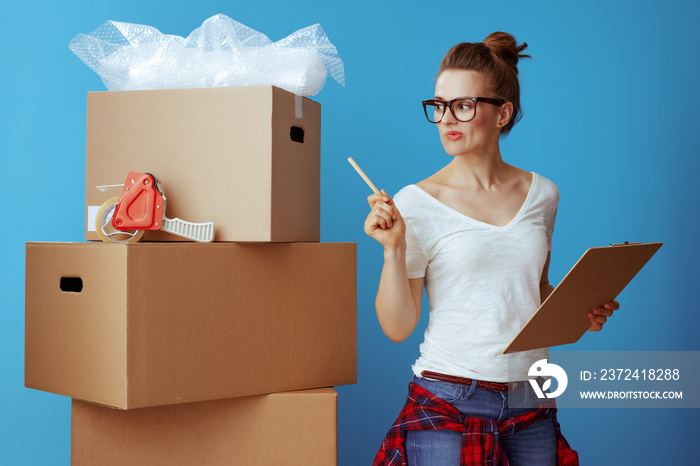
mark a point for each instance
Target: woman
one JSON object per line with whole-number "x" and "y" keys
{"x": 478, "y": 235}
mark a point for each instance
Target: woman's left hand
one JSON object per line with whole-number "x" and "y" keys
{"x": 599, "y": 315}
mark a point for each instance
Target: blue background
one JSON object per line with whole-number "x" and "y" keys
{"x": 611, "y": 112}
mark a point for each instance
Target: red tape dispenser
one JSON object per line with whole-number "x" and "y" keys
{"x": 141, "y": 207}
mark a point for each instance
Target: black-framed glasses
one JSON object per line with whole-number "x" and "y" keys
{"x": 463, "y": 108}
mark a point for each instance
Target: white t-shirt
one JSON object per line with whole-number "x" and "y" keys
{"x": 482, "y": 281}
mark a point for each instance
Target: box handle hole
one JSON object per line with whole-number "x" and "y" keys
{"x": 296, "y": 134}
{"x": 71, "y": 284}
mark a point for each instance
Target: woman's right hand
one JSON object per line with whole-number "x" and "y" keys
{"x": 384, "y": 222}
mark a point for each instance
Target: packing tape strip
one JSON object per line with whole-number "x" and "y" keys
{"x": 91, "y": 215}
{"x": 297, "y": 106}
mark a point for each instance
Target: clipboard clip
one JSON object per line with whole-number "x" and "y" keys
{"x": 626, "y": 243}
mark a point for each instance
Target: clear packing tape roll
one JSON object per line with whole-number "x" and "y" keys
{"x": 221, "y": 52}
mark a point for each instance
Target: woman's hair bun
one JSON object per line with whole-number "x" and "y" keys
{"x": 497, "y": 58}
{"x": 504, "y": 46}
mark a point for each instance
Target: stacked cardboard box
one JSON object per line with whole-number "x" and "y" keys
{"x": 291, "y": 428}
{"x": 260, "y": 320}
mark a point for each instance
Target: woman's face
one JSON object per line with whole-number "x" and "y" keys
{"x": 478, "y": 135}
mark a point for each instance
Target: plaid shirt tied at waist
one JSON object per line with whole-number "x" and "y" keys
{"x": 481, "y": 438}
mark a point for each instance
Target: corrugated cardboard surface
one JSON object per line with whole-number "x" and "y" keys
{"x": 167, "y": 323}
{"x": 223, "y": 155}
{"x": 78, "y": 334}
{"x": 293, "y": 428}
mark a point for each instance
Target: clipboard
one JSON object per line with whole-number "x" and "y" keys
{"x": 598, "y": 277}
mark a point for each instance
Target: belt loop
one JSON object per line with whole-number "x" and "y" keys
{"x": 471, "y": 390}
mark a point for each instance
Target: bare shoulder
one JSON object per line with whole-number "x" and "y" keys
{"x": 520, "y": 179}
{"x": 433, "y": 184}
{"x": 520, "y": 174}
{"x": 428, "y": 185}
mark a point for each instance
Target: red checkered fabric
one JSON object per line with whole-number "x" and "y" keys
{"x": 425, "y": 411}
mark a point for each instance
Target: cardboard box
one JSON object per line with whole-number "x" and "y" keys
{"x": 245, "y": 158}
{"x": 148, "y": 324}
{"x": 291, "y": 429}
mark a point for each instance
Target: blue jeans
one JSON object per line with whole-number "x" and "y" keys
{"x": 535, "y": 445}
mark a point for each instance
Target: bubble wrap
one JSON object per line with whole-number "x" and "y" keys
{"x": 221, "y": 52}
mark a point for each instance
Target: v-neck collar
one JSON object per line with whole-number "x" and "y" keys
{"x": 507, "y": 226}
